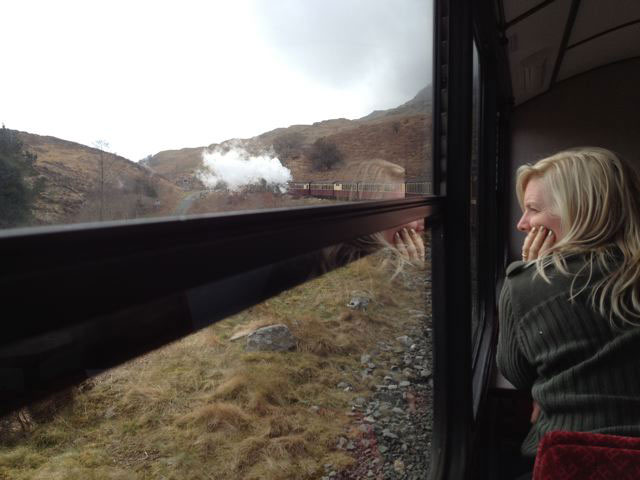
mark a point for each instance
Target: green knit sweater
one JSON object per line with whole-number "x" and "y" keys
{"x": 584, "y": 373}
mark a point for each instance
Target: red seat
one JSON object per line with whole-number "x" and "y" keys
{"x": 587, "y": 456}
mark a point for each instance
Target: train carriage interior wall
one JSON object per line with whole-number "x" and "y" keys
{"x": 312, "y": 292}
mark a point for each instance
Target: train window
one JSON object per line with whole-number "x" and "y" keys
{"x": 171, "y": 238}
{"x": 159, "y": 125}
{"x": 297, "y": 386}
{"x": 474, "y": 223}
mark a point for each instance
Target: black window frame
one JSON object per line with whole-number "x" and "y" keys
{"x": 463, "y": 368}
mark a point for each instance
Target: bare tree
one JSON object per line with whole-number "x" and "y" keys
{"x": 103, "y": 146}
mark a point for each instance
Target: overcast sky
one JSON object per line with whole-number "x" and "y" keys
{"x": 147, "y": 76}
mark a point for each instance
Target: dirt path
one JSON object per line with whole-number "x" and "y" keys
{"x": 185, "y": 204}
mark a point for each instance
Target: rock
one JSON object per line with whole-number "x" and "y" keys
{"x": 405, "y": 340}
{"x": 365, "y": 358}
{"x": 369, "y": 419}
{"x": 388, "y": 434}
{"x": 314, "y": 408}
{"x": 405, "y": 383}
{"x": 358, "y": 303}
{"x": 274, "y": 338}
{"x": 343, "y": 385}
{"x": 359, "y": 401}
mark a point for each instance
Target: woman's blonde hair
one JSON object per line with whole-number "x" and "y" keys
{"x": 595, "y": 194}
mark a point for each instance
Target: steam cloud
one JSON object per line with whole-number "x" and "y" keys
{"x": 237, "y": 168}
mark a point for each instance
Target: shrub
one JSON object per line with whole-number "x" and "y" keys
{"x": 16, "y": 193}
{"x": 288, "y": 145}
{"x": 325, "y": 155}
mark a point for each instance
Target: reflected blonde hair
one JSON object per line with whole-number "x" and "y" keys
{"x": 373, "y": 171}
{"x": 595, "y": 194}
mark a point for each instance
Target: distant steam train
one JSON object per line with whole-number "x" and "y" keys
{"x": 359, "y": 190}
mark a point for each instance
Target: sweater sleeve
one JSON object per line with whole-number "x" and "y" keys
{"x": 509, "y": 358}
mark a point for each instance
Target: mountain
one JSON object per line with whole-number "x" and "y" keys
{"x": 420, "y": 104}
{"x": 85, "y": 184}
{"x": 401, "y": 135}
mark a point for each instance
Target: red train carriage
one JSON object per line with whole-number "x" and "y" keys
{"x": 345, "y": 190}
{"x": 298, "y": 189}
{"x": 321, "y": 189}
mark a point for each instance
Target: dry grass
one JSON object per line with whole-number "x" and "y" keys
{"x": 204, "y": 408}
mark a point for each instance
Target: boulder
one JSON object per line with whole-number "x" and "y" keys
{"x": 274, "y": 338}
{"x": 358, "y": 303}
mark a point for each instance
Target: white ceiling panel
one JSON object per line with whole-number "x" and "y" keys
{"x": 515, "y": 8}
{"x": 533, "y": 48}
{"x": 612, "y": 47}
{"x": 596, "y": 16}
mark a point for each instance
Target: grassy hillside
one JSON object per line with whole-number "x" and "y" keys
{"x": 84, "y": 184}
{"x": 204, "y": 408}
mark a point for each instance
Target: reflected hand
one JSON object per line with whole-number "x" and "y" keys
{"x": 538, "y": 240}
{"x": 410, "y": 245}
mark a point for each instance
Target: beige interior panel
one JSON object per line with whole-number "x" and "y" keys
{"x": 596, "y": 16}
{"x": 532, "y": 55}
{"x": 612, "y": 47}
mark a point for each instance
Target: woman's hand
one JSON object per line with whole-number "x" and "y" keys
{"x": 410, "y": 245}
{"x": 538, "y": 240}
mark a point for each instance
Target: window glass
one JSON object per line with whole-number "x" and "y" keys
{"x": 474, "y": 208}
{"x": 350, "y": 392}
{"x": 119, "y": 111}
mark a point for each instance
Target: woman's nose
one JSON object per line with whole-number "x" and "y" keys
{"x": 523, "y": 224}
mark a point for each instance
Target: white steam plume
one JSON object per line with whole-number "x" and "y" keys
{"x": 237, "y": 168}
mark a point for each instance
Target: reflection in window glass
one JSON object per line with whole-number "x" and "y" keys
{"x": 475, "y": 180}
{"x": 169, "y": 109}
{"x": 349, "y": 392}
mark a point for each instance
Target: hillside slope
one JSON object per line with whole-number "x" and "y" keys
{"x": 85, "y": 184}
{"x": 401, "y": 135}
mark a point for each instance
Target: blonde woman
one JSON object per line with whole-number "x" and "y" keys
{"x": 570, "y": 310}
